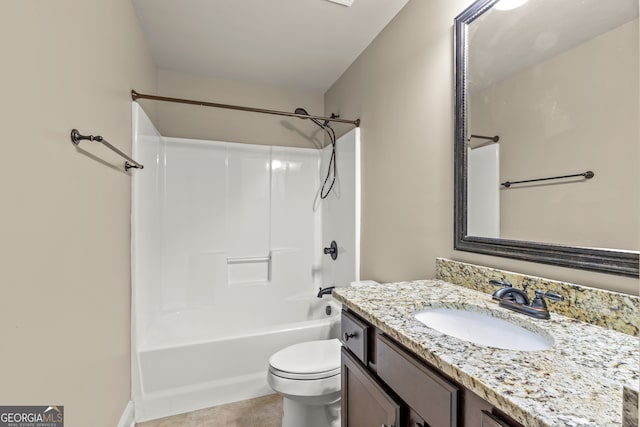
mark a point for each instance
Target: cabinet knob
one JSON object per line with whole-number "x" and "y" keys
{"x": 348, "y": 335}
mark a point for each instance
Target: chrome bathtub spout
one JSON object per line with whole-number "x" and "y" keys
{"x": 325, "y": 291}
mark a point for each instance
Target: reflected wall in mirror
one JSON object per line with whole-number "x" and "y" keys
{"x": 555, "y": 87}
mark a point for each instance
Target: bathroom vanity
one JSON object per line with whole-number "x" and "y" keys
{"x": 398, "y": 372}
{"x": 384, "y": 384}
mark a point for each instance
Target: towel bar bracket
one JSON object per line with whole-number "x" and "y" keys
{"x": 76, "y": 137}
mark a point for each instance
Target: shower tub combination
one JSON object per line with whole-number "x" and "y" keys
{"x": 196, "y": 359}
{"x": 227, "y": 261}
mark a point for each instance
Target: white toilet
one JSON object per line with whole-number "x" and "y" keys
{"x": 307, "y": 375}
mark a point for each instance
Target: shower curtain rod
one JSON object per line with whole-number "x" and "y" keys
{"x": 135, "y": 96}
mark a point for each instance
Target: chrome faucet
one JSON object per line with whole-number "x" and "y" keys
{"x": 517, "y": 299}
{"x": 325, "y": 291}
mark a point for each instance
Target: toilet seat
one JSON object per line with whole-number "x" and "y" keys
{"x": 297, "y": 376}
{"x": 307, "y": 361}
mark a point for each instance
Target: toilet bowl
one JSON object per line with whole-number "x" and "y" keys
{"x": 307, "y": 375}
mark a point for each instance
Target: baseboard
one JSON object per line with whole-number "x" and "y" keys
{"x": 128, "y": 416}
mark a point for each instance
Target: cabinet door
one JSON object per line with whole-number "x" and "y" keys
{"x": 426, "y": 392}
{"x": 415, "y": 420}
{"x": 492, "y": 420}
{"x": 480, "y": 413}
{"x": 365, "y": 403}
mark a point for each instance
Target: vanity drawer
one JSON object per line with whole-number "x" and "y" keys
{"x": 354, "y": 335}
{"x": 432, "y": 397}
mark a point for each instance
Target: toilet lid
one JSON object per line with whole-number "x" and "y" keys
{"x": 309, "y": 357}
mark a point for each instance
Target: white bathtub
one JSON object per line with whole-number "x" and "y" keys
{"x": 199, "y": 358}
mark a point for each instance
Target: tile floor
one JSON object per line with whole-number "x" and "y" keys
{"x": 265, "y": 411}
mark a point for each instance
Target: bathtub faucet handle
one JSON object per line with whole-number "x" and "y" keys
{"x": 332, "y": 250}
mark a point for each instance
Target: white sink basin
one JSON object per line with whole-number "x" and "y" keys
{"x": 483, "y": 329}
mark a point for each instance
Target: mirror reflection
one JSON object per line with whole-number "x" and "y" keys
{"x": 556, "y": 84}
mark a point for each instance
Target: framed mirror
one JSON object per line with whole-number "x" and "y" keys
{"x": 547, "y": 145}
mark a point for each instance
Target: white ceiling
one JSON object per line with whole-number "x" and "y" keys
{"x": 296, "y": 44}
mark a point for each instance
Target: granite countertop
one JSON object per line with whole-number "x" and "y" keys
{"x": 577, "y": 383}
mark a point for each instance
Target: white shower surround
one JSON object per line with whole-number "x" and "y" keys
{"x": 227, "y": 243}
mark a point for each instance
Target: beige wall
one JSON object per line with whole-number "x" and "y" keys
{"x": 64, "y": 269}
{"x": 188, "y": 121}
{"x": 64, "y": 233}
{"x": 571, "y": 113}
{"x": 401, "y": 87}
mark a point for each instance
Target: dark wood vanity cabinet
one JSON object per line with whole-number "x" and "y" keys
{"x": 384, "y": 384}
{"x": 365, "y": 401}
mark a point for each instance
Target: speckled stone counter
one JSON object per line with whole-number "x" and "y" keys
{"x": 578, "y": 382}
{"x": 611, "y": 310}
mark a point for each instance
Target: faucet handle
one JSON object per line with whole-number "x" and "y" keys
{"x": 503, "y": 283}
{"x": 551, "y": 295}
{"x": 539, "y": 302}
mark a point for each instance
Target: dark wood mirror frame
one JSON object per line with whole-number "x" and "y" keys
{"x": 623, "y": 263}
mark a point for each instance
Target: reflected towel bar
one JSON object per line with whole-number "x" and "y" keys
{"x": 491, "y": 138}
{"x": 76, "y": 137}
{"x": 586, "y": 175}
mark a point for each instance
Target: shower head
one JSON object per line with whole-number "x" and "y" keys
{"x": 301, "y": 110}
